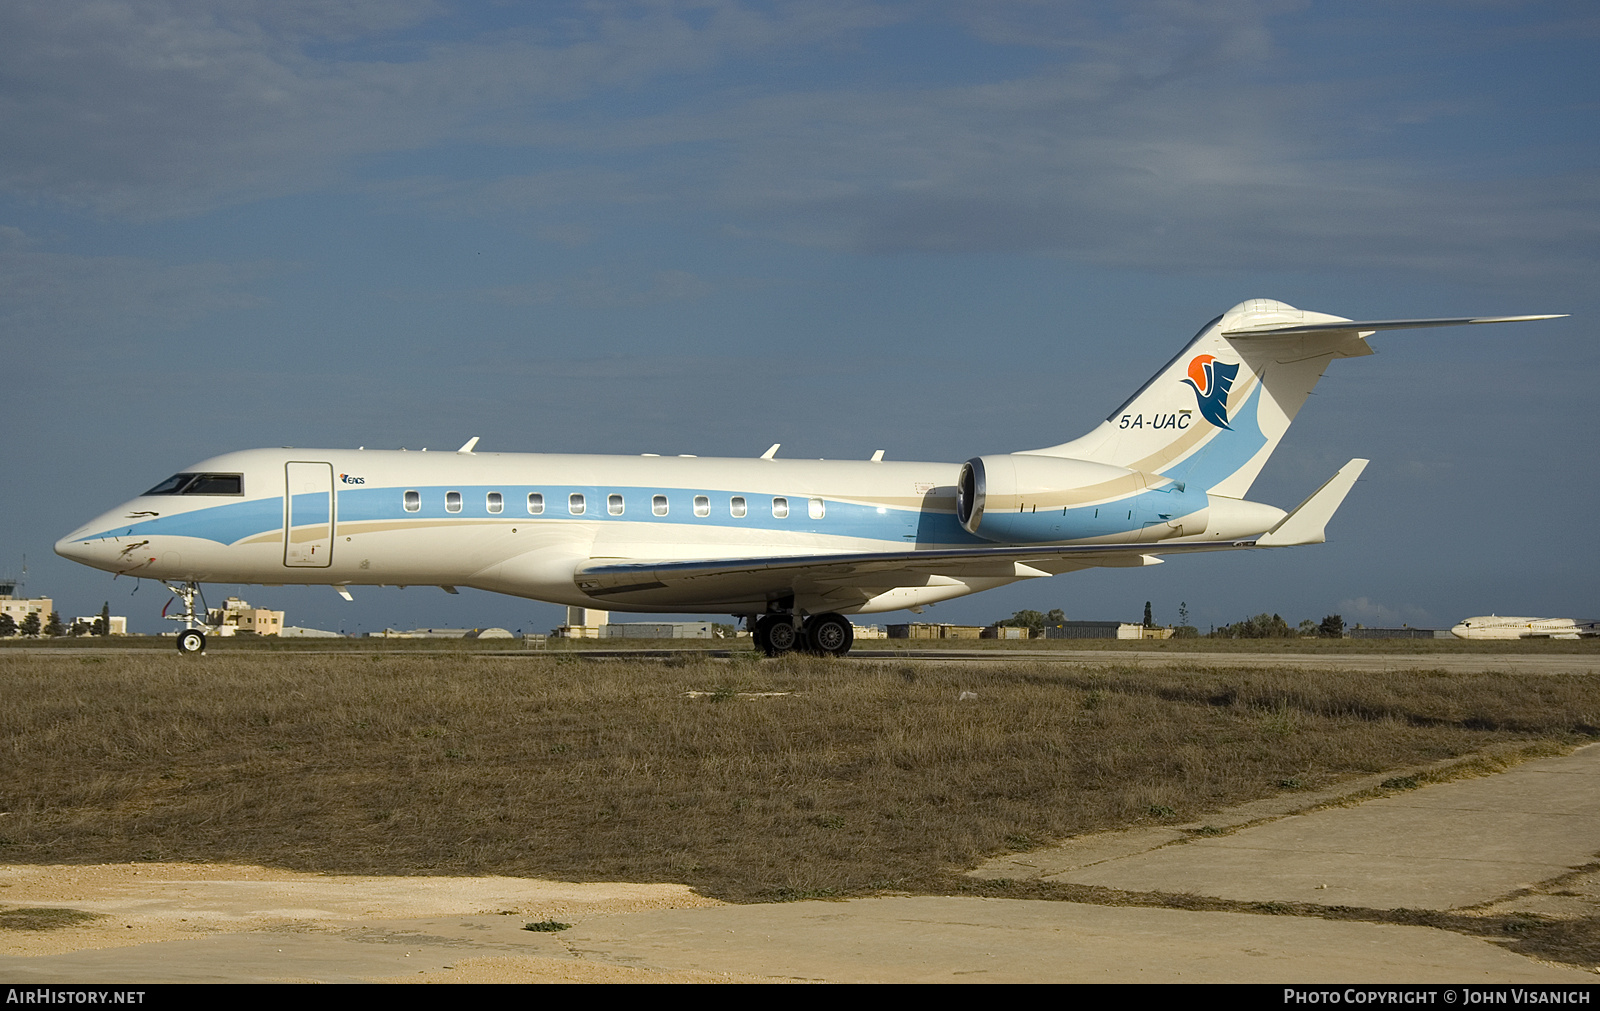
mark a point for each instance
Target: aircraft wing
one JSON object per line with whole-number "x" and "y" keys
{"x": 859, "y": 575}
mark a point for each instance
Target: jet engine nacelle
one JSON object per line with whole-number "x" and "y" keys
{"x": 1019, "y": 491}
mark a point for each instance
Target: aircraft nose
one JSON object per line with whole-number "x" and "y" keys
{"x": 75, "y": 550}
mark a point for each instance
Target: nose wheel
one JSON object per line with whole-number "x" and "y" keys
{"x": 191, "y": 640}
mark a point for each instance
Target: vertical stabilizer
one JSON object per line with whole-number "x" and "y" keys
{"x": 1214, "y": 414}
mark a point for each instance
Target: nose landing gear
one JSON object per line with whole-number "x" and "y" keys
{"x": 191, "y": 640}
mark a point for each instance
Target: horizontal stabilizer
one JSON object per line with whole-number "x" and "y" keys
{"x": 1371, "y": 325}
{"x": 1307, "y": 524}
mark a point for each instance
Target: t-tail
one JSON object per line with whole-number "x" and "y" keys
{"x": 1213, "y": 415}
{"x": 1175, "y": 461}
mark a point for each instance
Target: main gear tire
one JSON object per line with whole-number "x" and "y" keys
{"x": 776, "y": 635}
{"x": 830, "y": 635}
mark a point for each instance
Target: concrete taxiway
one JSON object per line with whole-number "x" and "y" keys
{"x": 1464, "y": 663}
{"x": 1468, "y": 843}
{"x": 1585, "y": 662}
{"x": 1521, "y": 840}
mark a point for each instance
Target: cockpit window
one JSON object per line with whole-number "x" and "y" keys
{"x": 171, "y": 485}
{"x": 200, "y": 484}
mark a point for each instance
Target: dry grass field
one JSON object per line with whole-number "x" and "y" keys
{"x": 747, "y": 779}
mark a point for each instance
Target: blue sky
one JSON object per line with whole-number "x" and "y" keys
{"x": 936, "y": 229}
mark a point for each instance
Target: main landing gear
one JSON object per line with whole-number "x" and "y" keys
{"x": 191, "y": 640}
{"x": 819, "y": 635}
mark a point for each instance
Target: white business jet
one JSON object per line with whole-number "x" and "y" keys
{"x": 791, "y": 546}
{"x": 1494, "y": 626}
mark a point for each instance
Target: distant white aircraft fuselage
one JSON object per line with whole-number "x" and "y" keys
{"x": 1493, "y": 626}
{"x": 791, "y": 545}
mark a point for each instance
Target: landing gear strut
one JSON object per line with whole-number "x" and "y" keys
{"x": 820, "y": 635}
{"x": 191, "y": 640}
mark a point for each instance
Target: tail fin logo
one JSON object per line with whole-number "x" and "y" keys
{"x": 1211, "y": 381}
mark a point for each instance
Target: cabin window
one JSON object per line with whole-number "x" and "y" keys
{"x": 535, "y": 503}
{"x": 575, "y": 503}
{"x": 413, "y": 501}
{"x": 658, "y": 505}
{"x": 702, "y": 506}
{"x": 614, "y": 504}
{"x": 780, "y": 508}
{"x": 493, "y": 502}
{"x": 452, "y": 501}
{"x": 736, "y": 506}
{"x": 816, "y": 508}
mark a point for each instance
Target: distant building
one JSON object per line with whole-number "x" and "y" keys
{"x": 924, "y": 630}
{"x": 434, "y": 633}
{"x": 583, "y": 623}
{"x": 1403, "y": 632}
{"x": 869, "y": 632}
{"x": 20, "y": 607}
{"x": 657, "y": 630}
{"x": 236, "y": 617}
{"x": 119, "y": 624}
{"x": 296, "y": 632}
{"x": 421, "y": 633}
{"x": 1104, "y": 630}
{"x": 1005, "y": 632}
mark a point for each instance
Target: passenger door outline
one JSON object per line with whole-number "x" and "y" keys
{"x": 308, "y": 510}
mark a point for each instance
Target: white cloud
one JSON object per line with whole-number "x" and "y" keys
{"x": 1179, "y": 135}
{"x": 1198, "y": 147}
{"x": 147, "y": 110}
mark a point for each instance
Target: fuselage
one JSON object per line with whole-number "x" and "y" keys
{"x": 520, "y": 523}
{"x": 1494, "y": 626}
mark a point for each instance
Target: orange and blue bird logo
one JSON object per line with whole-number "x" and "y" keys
{"x": 1211, "y": 381}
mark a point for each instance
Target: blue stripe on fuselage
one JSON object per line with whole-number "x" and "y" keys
{"x": 225, "y": 524}
{"x": 1107, "y": 519}
{"x": 237, "y": 522}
